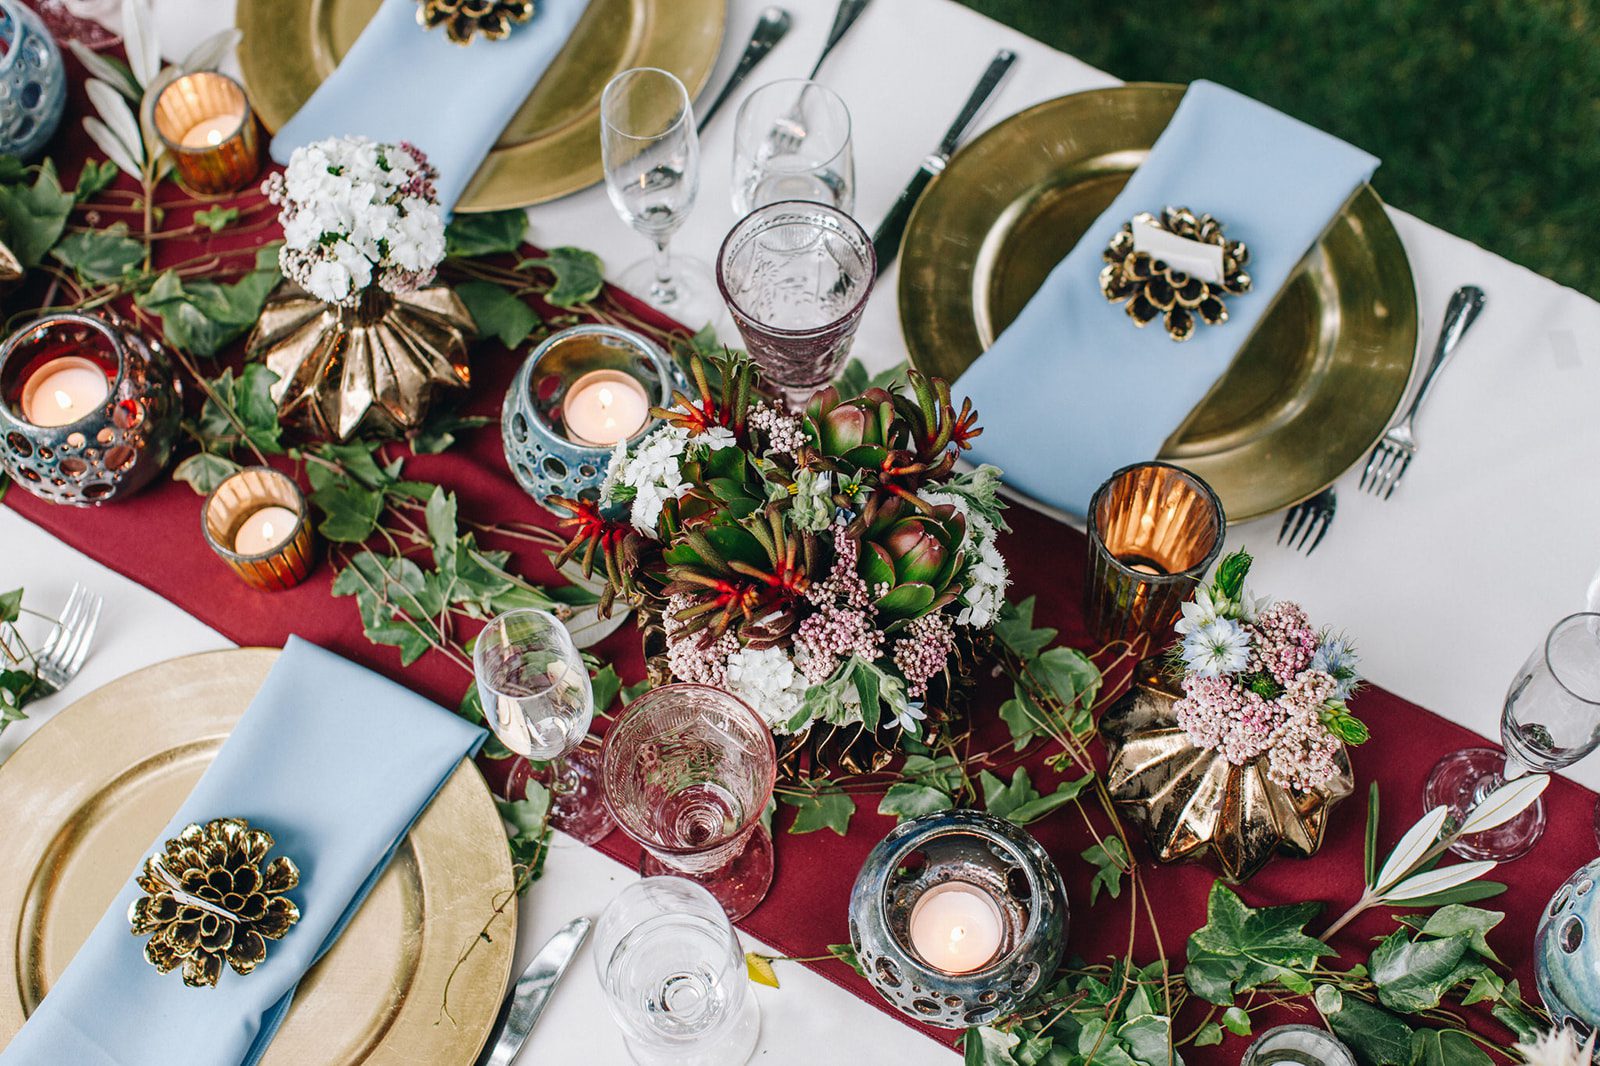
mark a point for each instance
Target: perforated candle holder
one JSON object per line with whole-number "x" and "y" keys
{"x": 966, "y": 847}
{"x": 115, "y": 448}
{"x": 282, "y": 565}
{"x": 540, "y": 449}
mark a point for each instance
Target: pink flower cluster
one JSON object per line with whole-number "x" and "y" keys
{"x": 922, "y": 653}
{"x": 784, "y": 435}
{"x": 842, "y": 625}
{"x": 696, "y": 657}
{"x": 1223, "y": 714}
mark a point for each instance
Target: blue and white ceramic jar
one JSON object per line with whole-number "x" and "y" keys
{"x": 33, "y": 82}
{"x": 1566, "y": 950}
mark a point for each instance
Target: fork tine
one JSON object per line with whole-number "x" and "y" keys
{"x": 1318, "y": 521}
{"x": 52, "y": 652}
{"x": 1394, "y": 478}
{"x": 1372, "y": 465}
{"x": 1322, "y": 531}
{"x": 1295, "y": 515}
{"x": 1383, "y": 461}
{"x": 85, "y": 637}
{"x": 54, "y": 637}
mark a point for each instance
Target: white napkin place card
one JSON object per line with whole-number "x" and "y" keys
{"x": 1198, "y": 259}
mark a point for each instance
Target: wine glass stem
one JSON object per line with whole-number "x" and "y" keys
{"x": 663, "y": 262}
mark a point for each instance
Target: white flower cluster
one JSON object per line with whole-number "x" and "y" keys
{"x": 654, "y": 471}
{"x": 769, "y": 682}
{"x": 984, "y": 592}
{"x": 356, "y": 213}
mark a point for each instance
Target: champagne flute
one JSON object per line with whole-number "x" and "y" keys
{"x": 537, "y": 697}
{"x": 652, "y": 167}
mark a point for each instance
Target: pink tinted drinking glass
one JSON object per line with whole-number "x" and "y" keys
{"x": 687, "y": 771}
{"x": 796, "y": 276}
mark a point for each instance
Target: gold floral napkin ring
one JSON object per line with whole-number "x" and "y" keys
{"x": 208, "y": 899}
{"x": 1154, "y": 289}
{"x": 465, "y": 19}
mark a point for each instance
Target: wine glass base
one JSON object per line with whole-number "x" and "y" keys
{"x": 729, "y": 1045}
{"x": 738, "y": 886}
{"x": 692, "y": 299}
{"x": 577, "y": 803}
{"x": 1463, "y": 778}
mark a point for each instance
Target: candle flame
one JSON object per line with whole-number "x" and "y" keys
{"x": 214, "y": 137}
{"x": 957, "y": 934}
{"x": 63, "y": 399}
{"x": 606, "y": 398}
{"x": 266, "y": 530}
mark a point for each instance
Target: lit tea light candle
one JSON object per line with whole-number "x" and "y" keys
{"x": 205, "y": 122}
{"x": 64, "y": 390}
{"x": 956, "y": 927}
{"x": 212, "y": 131}
{"x": 604, "y": 407}
{"x": 265, "y": 530}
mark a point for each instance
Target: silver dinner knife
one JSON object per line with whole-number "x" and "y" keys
{"x": 531, "y": 993}
{"x": 886, "y": 242}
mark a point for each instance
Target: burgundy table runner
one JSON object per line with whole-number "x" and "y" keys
{"x": 155, "y": 539}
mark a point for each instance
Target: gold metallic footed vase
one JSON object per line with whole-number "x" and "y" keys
{"x": 1194, "y": 804}
{"x": 375, "y": 367}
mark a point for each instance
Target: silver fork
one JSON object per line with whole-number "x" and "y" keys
{"x": 1308, "y": 520}
{"x": 790, "y": 128}
{"x": 65, "y": 649}
{"x": 1392, "y": 455}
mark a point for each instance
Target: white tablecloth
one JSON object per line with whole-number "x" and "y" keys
{"x": 1494, "y": 535}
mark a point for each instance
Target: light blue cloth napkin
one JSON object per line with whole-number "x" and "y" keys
{"x": 336, "y": 763}
{"x": 1072, "y": 390}
{"x": 400, "y": 82}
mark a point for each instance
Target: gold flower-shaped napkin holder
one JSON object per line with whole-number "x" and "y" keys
{"x": 208, "y": 899}
{"x": 1153, "y": 288}
{"x": 465, "y": 19}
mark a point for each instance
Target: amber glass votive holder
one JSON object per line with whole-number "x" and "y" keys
{"x": 233, "y": 502}
{"x": 206, "y": 123}
{"x": 1154, "y": 531}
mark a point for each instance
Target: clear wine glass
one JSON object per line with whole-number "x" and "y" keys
{"x": 537, "y": 697}
{"x": 652, "y": 166}
{"x": 796, "y": 276}
{"x": 1550, "y": 720}
{"x": 687, "y": 771}
{"x": 674, "y": 976}
{"x": 791, "y": 141}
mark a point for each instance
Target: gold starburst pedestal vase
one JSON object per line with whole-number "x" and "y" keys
{"x": 1194, "y": 804}
{"x": 375, "y": 367}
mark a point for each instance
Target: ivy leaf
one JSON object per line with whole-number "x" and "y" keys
{"x": 821, "y": 810}
{"x": 1210, "y": 1034}
{"x": 497, "y": 312}
{"x": 606, "y": 684}
{"x": 1015, "y": 630}
{"x": 358, "y": 460}
{"x": 249, "y": 400}
{"x": 439, "y": 432}
{"x": 846, "y": 953}
{"x": 1068, "y": 674}
{"x": 100, "y": 255}
{"x": 1040, "y": 806}
{"x": 1236, "y": 1021}
{"x": 1413, "y": 975}
{"x": 579, "y": 276}
{"x": 1446, "y": 1047}
{"x": 216, "y": 219}
{"x": 1000, "y": 798}
{"x": 1455, "y": 918}
{"x": 529, "y": 822}
{"x": 906, "y": 799}
{"x": 1023, "y": 717}
{"x": 94, "y": 178}
{"x": 205, "y": 316}
{"x": 986, "y": 1046}
{"x": 486, "y": 233}
{"x": 1377, "y": 1037}
{"x": 440, "y": 515}
{"x": 11, "y": 605}
{"x": 350, "y": 512}
{"x": 204, "y": 471}
{"x": 1241, "y": 947}
{"x": 1109, "y": 858}
{"x": 33, "y": 216}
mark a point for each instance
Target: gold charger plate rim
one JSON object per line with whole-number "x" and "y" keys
{"x": 929, "y": 241}
{"x": 109, "y": 734}
{"x": 560, "y": 161}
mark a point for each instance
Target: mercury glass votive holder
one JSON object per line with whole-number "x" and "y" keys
{"x": 33, "y": 82}
{"x": 1297, "y": 1045}
{"x": 1154, "y": 531}
{"x": 207, "y": 125}
{"x": 972, "y": 850}
{"x": 88, "y": 441}
{"x": 545, "y": 456}
{"x": 278, "y": 561}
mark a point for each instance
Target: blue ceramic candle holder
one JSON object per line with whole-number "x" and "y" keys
{"x": 33, "y": 82}
{"x": 1566, "y": 951}
{"x": 975, "y": 849}
{"x": 540, "y": 450}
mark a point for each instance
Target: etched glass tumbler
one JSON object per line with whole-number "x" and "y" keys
{"x": 792, "y": 142}
{"x": 537, "y": 697}
{"x": 1550, "y": 720}
{"x": 674, "y": 976}
{"x": 687, "y": 770}
{"x": 796, "y": 276}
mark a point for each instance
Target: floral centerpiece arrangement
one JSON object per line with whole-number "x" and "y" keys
{"x": 360, "y": 336}
{"x": 827, "y": 566}
{"x": 1259, "y": 681}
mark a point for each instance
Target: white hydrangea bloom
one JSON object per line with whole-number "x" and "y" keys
{"x": 769, "y": 682}
{"x": 654, "y": 470}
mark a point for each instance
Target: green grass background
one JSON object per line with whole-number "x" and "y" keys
{"x": 1486, "y": 113}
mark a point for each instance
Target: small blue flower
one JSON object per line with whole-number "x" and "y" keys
{"x": 1336, "y": 657}
{"x": 1221, "y": 646}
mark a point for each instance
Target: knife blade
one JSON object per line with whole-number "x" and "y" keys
{"x": 886, "y": 241}
{"x": 532, "y": 992}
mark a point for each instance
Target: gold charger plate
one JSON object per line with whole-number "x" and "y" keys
{"x": 552, "y": 146}
{"x": 91, "y": 789}
{"x": 1311, "y": 390}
